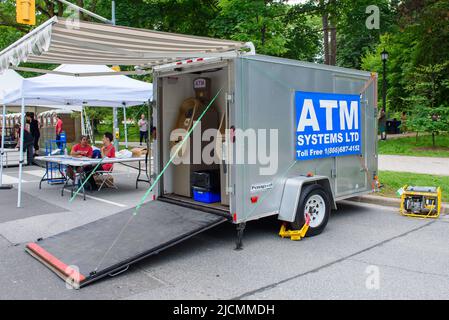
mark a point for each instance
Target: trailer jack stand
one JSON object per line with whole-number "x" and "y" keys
{"x": 295, "y": 234}
{"x": 239, "y": 242}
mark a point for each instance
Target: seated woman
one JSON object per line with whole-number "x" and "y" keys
{"x": 108, "y": 150}
{"x": 82, "y": 149}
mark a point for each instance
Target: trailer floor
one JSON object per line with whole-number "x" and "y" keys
{"x": 187, "y": 200}
{"x": 109, "y": 245}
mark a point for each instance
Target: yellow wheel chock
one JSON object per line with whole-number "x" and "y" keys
{"x": 295, "y": 234}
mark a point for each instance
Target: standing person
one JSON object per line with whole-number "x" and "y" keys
{"x": 382, "y": 119}
{"x": 28, "y": 142}
{"x": 58, "y": 129}
{"x": 143, "y": 128}
{"x": 34, "y": 130}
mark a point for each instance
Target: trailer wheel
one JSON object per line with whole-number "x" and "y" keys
{"x": 314, "y": 200}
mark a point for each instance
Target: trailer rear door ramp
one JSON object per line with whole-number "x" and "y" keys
{"x": 106, "y": 247}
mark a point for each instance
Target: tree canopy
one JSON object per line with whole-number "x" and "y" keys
{"x": 414, "y": 32}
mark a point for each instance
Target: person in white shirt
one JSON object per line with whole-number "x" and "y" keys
{"x": 143, "y": 128}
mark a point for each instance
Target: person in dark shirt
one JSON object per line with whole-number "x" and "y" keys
{"x": 34, "y": 130}
{"x": 28, "y": 142}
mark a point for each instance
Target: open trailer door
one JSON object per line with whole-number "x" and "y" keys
{"x": 109, "y": 245}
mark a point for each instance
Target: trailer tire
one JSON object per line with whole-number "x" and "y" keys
{"x": 319, "y": 206}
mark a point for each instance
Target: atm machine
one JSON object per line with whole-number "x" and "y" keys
{"x": 189, "y": 112}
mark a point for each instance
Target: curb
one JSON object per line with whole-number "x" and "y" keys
{"x": 389, "y": 202}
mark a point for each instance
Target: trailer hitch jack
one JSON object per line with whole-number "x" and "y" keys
{"x": 239, "y": 242}
{"x": 295, "y": 234}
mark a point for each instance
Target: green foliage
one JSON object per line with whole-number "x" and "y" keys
{"x": 303, "y": 38}
{"x": 132, "y": 129}
{"x": 393, "y": 180}
{"x": 10, "y": 31}
{"x": 428, "y": 119}
{"x": 428, "y": 22}
{"x": 414, "y": 33}
{"x": 427, "y": 97}
{"x": 429, "y": 83}
{"x": 8, "y": 35}
{"x": 354, "y": 38}
{"x": 259, "y": 21}
{"x": 418, "y": 38}
{"x": 180, "y": 16}
{"x": 421, "y": 147}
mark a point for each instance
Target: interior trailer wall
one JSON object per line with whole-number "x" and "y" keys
{"x": 175, "y": 90}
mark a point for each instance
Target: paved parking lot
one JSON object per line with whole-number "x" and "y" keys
{"x": 366, "y": 252}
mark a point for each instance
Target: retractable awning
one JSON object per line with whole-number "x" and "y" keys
{"x": 59, "y": 41}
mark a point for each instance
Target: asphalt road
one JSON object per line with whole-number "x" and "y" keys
{"x": 366, "y": 252}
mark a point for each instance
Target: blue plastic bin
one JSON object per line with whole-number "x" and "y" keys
{"x": 205, "y": 196}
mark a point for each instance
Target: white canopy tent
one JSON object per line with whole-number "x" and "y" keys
{"x": 10, "y": 82}
{"x": 99, "y": 91}
{"x": 57, "y": 89}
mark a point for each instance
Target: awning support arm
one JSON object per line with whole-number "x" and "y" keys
{"x": 85, "y": 11}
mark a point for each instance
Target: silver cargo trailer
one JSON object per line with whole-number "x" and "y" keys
{"x": 237, "y": 139}
{"x": 314, "y": 125}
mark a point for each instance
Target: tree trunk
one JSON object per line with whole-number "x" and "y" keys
{"x": 326, "y": 38}
{"x": 80, "y": 3}
{"x": 264, "y": 31}
{"x": 60, "y": 9}
{"x": 333, "y": 46}
{"x": 433, "y": 139}
{"x": 333, "y": 30}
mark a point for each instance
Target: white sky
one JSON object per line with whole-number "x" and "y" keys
{"x": 296, "y": 1}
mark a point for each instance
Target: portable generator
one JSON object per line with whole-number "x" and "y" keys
{"x": 423, "y": 202}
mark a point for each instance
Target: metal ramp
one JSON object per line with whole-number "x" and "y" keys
{"x": 106, "y": 247}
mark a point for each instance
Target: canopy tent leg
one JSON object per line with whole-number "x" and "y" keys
{"x": 126, "y": 131}
{"x": 83, "y": 130}
{"x": 22, "y": 129}
{"x": 116, "y": 128}
{"x": 149, "y": 143}
{"x": 2, "y": 152}
{"x": 126, "y": 128}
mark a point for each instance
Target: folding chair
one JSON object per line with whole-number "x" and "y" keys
{"x": 77, "y": 180}
{"x": 105, "y": 174}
